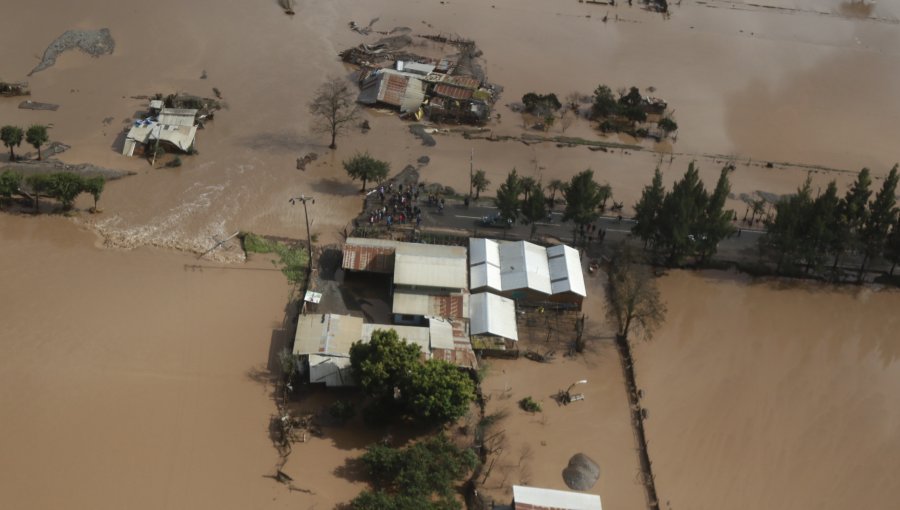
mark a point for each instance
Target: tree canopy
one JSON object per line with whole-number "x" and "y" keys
{"x": 419, "y": 477}
{"x": 10, "y": 181}
{"x": 507, "y": 199}
{"x": 11, "y": 136}
{"x": 390, "y": 371}
{"x": 37, "y": 136}
{"x": 534, "y": 207}
{"x": 365, "y": 168}
{"x": 634, "y": 300}
{"x": 480, "y": 182}
{"x": 583, "y": 198}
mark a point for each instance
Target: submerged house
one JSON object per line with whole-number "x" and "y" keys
{"x": 394, "y": 89}
{"x": 173, "y": 129}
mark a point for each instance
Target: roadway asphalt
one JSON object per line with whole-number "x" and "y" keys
{"x": 459, "y": 217}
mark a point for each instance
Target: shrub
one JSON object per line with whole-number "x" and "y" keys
{"x": 342, "y": 411}
{"x": 529, "y": 404}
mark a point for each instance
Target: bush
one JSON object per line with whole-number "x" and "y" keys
{"x": 668, "y": 125}
{"x": 529, "y": 404}
{"x": 175, "y": 163}
{"x": 342, "y": 411}
{"x": 541, "y": 104}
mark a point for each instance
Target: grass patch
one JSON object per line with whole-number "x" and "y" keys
{"x": 293, "y": 259}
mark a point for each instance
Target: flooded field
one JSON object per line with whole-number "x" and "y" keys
{"x": 136, "y": 379}
{"x": 773, "y": 394}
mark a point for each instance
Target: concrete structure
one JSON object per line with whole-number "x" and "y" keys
{"x": 534, "y": 498}
{"x": 173, "y": 128}
{"x": 492, "y": 315}
{"x": 527, "y": 273}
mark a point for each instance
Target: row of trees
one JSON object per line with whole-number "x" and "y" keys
{"x": 687, "y": 221}
{"x": 391, "y": 373}
{"x": 808, "y": 233}
{"x": 62, "y": 186}
{"x": 523, "y": 198}
{"x": 12, "y": 137}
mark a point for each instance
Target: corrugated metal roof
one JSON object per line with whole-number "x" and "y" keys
{"x": 177, "y": 116}
{"x": 492, "y": 315}
{"x": 331, "y": 370}
{"x": 375, "y": 259}
{"x": 326, "y": 334}
{"x": 428, "y": 265}
{"x": 394, "y": 88}
{"x": 407, "y": 302}
{"x": 566, "y": 274}
{"x": 418, "y": 68}
{"x": 535, "y": 498}
{"x": 524, "y": 265}
{"x": 484, "y": 264}
{"x": 453, "y": 91}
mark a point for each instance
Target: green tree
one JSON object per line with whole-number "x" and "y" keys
{"x": 785, "y": 233}
{"x": 682, "y": 213}
{"x": 882, "y": 214}
{"x": 604, "y": 103}
{"x": 37, "y": 136}
{"x": 10, "y": 182}
{"x": 648, "y": 211}
{"x": 632, "y": 99}
{"x": 534, "y": 207}
{"x": 334, "y": 108}
{"x": 439, "y": 392}
{"x": 428, "y": 469}
{"x": 852, "y": 216}
{"x": 892, "y": 249}
{"x": 555, "y": 187}
{"x": 480, "y": 182}
{"x": 11, "y": 137}
{"x": 821, "y": 227}
{"x": 382, "y": 364}
{"x": 39, "y": 184}
{"x": 507, "y": 199}
{"x": 366, "y": 168}
{"x": 583, "y": 198}
{"x": 65, "y": 187}
{"x": 667, "y": 125}
{"x": 526, "y": 184}
{"x": 716, "y": 222}
{"x": 94, "y": 186}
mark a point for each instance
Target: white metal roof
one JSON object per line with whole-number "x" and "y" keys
{"x": 441, "y": 332}
{"x": 491, "y": 314}
{"x": 327, "y": 334}
{"x": 177, "y": 117}
{"x": 524, "y": 265}
{"x": 549, "y": 499}
{"x": 331, "y": 370}
{"x": 566, "y": 274}
{"x": 426, "y": 265}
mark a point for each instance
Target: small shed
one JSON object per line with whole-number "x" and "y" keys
{"x": 492, "y": 315}
{"x": 535, "y": 498}
{"x": 392, "y": 88}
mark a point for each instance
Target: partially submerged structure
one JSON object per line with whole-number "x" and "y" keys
{"x": 535, "y": 498}
{"x": 428, "y": 280}
{"x": 173, "y": 129}
{"x": 527, "y": 273}
{"x": 323, "y": 341}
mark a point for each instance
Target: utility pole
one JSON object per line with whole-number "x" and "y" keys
{"x": 471, "y": 172}
{"x": 303, "y": 198}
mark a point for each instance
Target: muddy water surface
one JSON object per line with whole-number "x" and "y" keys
{"x": 775, "y": 395}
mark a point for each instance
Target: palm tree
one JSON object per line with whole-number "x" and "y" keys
{"x": 480, "y": 182}
{"x": 555, "y": 186}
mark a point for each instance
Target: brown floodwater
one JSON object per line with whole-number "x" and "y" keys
{"x": 773, "y": 394}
